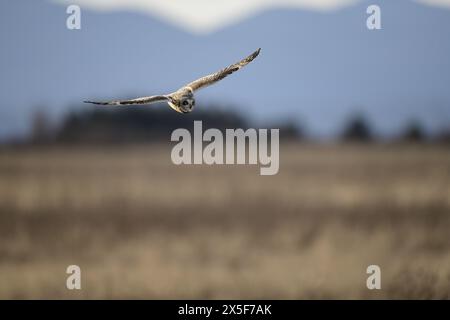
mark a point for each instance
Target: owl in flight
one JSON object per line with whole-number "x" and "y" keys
{"x": 183, "y": 100}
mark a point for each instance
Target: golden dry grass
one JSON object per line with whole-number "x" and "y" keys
{"x": 141, "y": 227}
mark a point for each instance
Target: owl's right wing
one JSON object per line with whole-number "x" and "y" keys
{"x": 215, "y": 77}
{"x": 143, "y": 100}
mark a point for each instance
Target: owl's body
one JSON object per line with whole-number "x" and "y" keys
{"x": 183, "y": 99}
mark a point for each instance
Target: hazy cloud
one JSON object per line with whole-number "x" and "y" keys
{"x": 204, "y": 16}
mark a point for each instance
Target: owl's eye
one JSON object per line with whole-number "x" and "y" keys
{"x": 185, "y": 103}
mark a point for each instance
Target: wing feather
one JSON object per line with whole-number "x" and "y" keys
{"x": 142, "y": 100}
{"x": 215, "y": 77}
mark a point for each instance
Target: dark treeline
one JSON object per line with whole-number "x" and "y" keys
{"x": 359, "y": 129}
{"x": 140, "y": 124}
{"x": 137, "y": 125}
{"x": 143, "y": 124}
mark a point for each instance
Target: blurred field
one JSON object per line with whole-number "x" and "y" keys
{"x": 141, "y": 227}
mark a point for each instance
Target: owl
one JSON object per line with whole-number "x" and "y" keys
{"x": 183, "y": 100}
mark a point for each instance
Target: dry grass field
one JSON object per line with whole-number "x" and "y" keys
{"x": 141, "y": 227}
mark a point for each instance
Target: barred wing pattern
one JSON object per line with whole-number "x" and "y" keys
{"x": 215, "y": 77}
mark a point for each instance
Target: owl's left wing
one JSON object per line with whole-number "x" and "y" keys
{"x": 215, "y": 77}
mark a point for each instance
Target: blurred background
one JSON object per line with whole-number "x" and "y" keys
{"x": 364, "y": 118}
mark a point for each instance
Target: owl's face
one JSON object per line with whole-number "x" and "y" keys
{"x": 183, "y": 102}
{"x": 186, "y": 104}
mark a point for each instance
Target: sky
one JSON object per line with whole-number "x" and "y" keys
{"x": 325, "y": 62}
{"x": 207, "y": 16}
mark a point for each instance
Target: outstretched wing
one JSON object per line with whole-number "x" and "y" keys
{"x": 143, "y": 100}
{"x": 213, "y": 78}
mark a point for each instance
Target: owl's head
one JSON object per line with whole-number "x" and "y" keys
{"x": 186, "y": 103}
{"x": 182, "y": 103}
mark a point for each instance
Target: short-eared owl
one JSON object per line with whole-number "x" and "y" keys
{"x": 183, "y": 100}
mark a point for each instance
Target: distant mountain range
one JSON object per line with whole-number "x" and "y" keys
{"x": 315, "y": 68}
